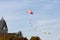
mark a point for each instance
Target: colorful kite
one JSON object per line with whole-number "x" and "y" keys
{"x": 29, "y": 11}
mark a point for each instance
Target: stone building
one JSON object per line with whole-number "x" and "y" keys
{"x": 4, "y": 29}
{"x": 3, "y": 26}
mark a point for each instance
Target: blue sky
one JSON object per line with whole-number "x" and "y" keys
{"x": 46, "y": 17}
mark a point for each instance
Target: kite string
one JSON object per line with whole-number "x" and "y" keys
{"x": 31, "y": 23}
{"x": 33, "y": 27}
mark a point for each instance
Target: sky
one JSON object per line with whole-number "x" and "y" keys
{"x": 46, "y": 17}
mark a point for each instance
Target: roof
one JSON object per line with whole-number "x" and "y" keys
{"x": 2, "y": 22}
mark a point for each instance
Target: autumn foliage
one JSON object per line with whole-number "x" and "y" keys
{"x": 11, "y": 37}
{"x": 35, "y": 38}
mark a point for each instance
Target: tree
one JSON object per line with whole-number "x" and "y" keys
{"x": 23, "y": 38}
{"x": 35, "y": 38}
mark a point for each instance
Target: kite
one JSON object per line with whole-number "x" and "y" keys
{"x": 29, "y": 11}
{"x": 46, "y": 33}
